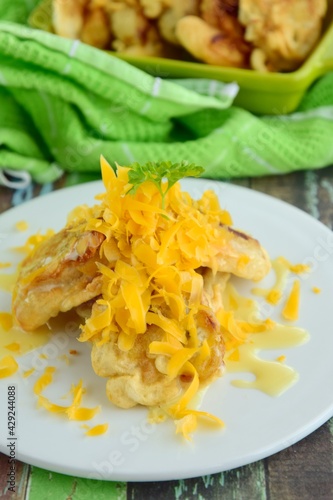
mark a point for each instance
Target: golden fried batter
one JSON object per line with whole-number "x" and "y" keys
{"x": 68, "y": 17}
{"x": 209, "y": 44}
{"x": 82, "y": 19}
{"x": 59, "y": 275}
{"x": 243, "y": 257}
{"x": 283, "y": 32}
{"x": 138, "y": 377}
{"x": 154, "y": 8}
{"x": 134, "y": 33}
{"x": 167, "y": 22}
{"x": 264, "y": 35}
{"x": 223, "y": 15}
{"x": 96, "y": 29}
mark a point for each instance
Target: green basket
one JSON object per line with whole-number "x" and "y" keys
{"x": 261, "y": 93}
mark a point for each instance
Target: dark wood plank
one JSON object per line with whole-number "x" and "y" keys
{"x": 6, "y": 194}
{"x": 325, "y": 196}
{"x": 303, "y": 470}
{"x": 16, "y": 479}
{"x": 5, "y": 198}
{"x": 243, "y": 483}
{"x": 291, "y": 188}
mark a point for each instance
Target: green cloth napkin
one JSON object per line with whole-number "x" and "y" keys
{"x": 63, "y": 103}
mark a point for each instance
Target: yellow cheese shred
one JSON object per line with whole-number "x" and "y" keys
{"x": 27, "y": 373}
{"x": 97, "y": 430}
{"x": 33, "y": 241}
{"x": 8, "y": 366}
{"x": 44, "y": 380}
{"x": 21, "y": 225}
{"x": 177, "y": 409}
{"x": 186, "y": 426}
{"x": 291, "y": 309}
{"x": 6, "y": 321}
{"x": 13, "y": 346}
{"x": 188, "y": 423}
{"x": 74, "y": 411}
{"x": 281, "y": 359}
{"x": 5, "y": 265}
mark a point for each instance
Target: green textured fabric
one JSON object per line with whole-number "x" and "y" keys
{"x": 45, "y": 485}
{"x": 63, "y": 103}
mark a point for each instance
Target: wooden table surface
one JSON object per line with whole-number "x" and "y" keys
{"x": 302, "y": 471}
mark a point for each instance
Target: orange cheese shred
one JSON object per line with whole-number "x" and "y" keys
{"x": 6, "y": 321}
{"x": 188, "y": 423}
{"x": 8, "y": 366}
{"x": 49, "y": 406}
{"x": 44, "y": 380}
{"x": 27, "y": 373}
{"x": 281, "y": 359}
{"x": 291, "y": 309}
{"x": 97, "y": 430}
{"x": 5, "y": 265}
{"x": 73, "y": 411}
{"x": 33, "y": 241}
{"x": 13, "y": 346}
{"x": 21, "y": 225}
{"x": 81, "y": 413}
{"x": 181, "y": 405}
{"x": 186, "y": 426}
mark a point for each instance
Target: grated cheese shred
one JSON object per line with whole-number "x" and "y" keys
{"x": 97, "y": 430}
{"x": 5, "y": 265}
{"x": 74, "y": 411}
{"x": 22, "y": 225}
{"x": 8, "y": 366}
{"x": 291, "y": 309}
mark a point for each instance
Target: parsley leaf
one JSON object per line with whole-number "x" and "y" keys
{"x": 156, "y": 172}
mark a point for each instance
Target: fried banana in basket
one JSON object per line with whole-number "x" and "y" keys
{"x": 282, "y": 33}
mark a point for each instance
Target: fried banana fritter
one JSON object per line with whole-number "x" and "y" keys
{"x": 244, "y": 257}
{"x": 283, "y": 33}
{"x": 62, "y": 274}
{"x": 84, "y": 20}
{"x": 209, "y": 44}
{"x": 167, "y": 22}
{"x": 58, "y": 275}
{"x": 138, "y": 377}
{"x": 68, "y": 17}
{"x": 134, "y": 33}
{"x": 146, "y": 271}
{"x": 264, "y": 35}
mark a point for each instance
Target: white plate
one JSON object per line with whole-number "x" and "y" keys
{"x": 256, "y": 425}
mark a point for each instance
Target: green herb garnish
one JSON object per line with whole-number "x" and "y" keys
{"x": 156, "y": 172}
